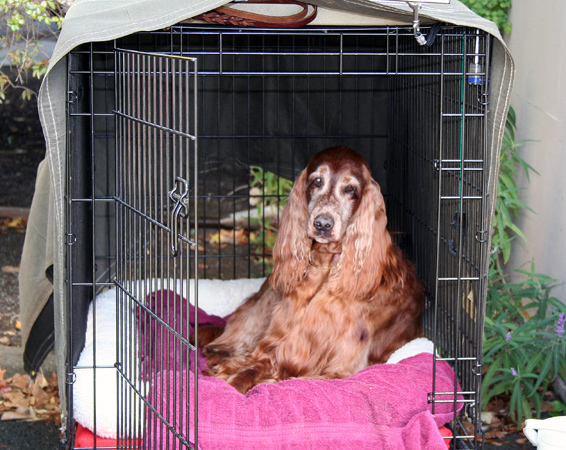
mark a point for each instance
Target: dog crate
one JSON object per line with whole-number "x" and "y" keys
{"x": 180, "y": 142}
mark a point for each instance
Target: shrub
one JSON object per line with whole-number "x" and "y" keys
{"x": 494, "y": 10}
{"x": 25, "y": 24}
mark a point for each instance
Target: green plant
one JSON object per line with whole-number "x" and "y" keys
{"x": 495, "y": 10}
{"x": 559, "y": 408}
{"x": 25, "y": 24}
{"x": 269, "y": 192}
{"x": 524, "y": 345}
{"x": 508, "y": 203}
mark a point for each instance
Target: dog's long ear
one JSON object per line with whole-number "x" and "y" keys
{"x": 366, "y": 247}
{"x": 292, "y": 246}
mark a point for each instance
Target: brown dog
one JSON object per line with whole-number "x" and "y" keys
{"x": 341, "y": 296}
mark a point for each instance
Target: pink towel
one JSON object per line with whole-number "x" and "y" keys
{"x": 381, "y": 407}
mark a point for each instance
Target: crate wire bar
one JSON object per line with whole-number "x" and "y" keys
{"x": 161, "y": 157}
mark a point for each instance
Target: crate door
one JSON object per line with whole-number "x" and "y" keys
{"x": 156, "y": 179}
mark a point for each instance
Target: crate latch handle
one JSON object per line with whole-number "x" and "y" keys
{"x": 181, "y": 209}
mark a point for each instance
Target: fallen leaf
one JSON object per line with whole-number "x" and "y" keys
{"x": 53, "y": 383}
{"x": 487, "y": 417}
{"x": 12, "y": 415}
{"x": 21, "y": 381}
{"x": 10, "y": 269}
{"x": 24, "y": 399}
{"x": 546, "y": 406}
{"x": 18, "y": 325}
{"x": 41, "y": 381}
{"x": 23, "y": 410}
{"x": 490, "y": 435}
{"x": 495, "y": 422}
{"x": 39, "y": 395}
{"x": 219, "y": 238}
{"x": 15, "y": 399}
{"x": 241, "y": 236}
{"x": 225, "y": 237}
{"x": 18, "y": 222}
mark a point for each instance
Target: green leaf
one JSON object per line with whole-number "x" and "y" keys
{"x": 559, "y": 408}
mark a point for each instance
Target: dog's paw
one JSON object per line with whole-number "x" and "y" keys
{"x": 244, "y": 380}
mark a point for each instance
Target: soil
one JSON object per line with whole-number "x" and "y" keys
{"x": 42, "y": 435}
{"x": 501, "y": 433}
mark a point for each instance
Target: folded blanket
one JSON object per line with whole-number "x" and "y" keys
{"x": 164, "y": 342}
{"x": 381, "y": 407}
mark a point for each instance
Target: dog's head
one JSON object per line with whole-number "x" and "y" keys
{"x": 334, "y": 200}
{"x": 336, "y": 181}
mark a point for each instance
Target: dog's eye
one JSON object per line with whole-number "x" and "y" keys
{"x": 317, "y": 182}
{"x": 350, "y": 189}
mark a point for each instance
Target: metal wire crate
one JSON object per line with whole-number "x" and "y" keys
{"x": 164, "y": 127}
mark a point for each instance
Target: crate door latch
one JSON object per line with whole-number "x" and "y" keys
{"x": 419, "y": 36}
{"x": 181, "y": 210}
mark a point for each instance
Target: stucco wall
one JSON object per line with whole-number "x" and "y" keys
{"x": 538, "y": 45}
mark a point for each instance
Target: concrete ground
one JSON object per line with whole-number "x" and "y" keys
{"x": 11, "y": 360}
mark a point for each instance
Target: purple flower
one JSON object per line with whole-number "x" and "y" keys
{"x": 513, "y": 371}
{"x": 560, "y": 326}
{"x": 508, "y": 336}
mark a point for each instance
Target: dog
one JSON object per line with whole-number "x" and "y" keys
{"x": 341, "y": 297}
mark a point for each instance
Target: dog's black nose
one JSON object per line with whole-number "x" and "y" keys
{"x": 323, "y": 223}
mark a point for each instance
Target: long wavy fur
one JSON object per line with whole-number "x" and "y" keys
{"x": 339, "y": 298}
